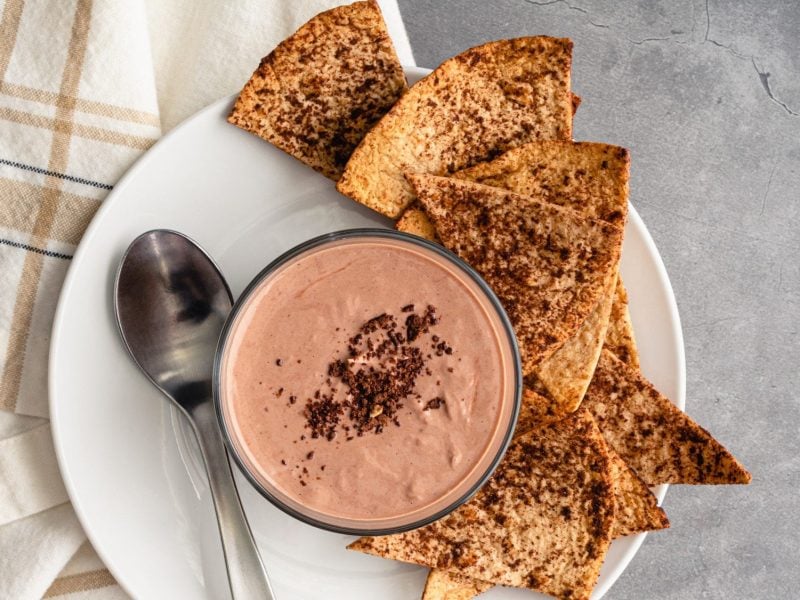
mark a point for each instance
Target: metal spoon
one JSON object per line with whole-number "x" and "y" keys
{"x": 171, "y": 301}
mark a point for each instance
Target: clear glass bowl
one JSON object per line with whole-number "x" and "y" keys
{"x": 463, "y": 490}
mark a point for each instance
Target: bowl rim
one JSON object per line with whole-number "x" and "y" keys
{"x": 317, "y": 242}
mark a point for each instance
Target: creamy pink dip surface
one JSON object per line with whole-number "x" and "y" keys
{"x": 300, "y": 319}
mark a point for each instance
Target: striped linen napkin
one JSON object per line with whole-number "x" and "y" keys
{"x": 86, "y": 86}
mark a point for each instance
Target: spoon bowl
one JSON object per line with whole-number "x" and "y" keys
{"x": 171, "y": 303}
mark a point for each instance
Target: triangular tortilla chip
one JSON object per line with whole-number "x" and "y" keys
{"x": 619, "y": 335}
{"x": 472, "y": 107}
{"x": 446, "y": 585}
{"x": 415, "y": 221}
{"x": 655, "y": 438}
{"x": 318, "y": 93}
{"x": 637, "y": 509}
{"x": 588, "y": 177}
{"x": 566, "y": 373}
{"x": 548, "y": 265}
{"x": 543, "y": 520}
{"x": 533, "y": 408}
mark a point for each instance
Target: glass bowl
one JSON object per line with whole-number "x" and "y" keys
{"x": 507, "y": 407}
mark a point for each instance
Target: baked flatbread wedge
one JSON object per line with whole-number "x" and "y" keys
{"x": 588, "y": 177}
{"x": 318, "y": 93}
{"x": 415, "y": 221}
{"x": 548, "y": 265}
{"x": 637, "y": 509}
{"x": 591, "y": 178}
{"x": 543, "y": 520}
{"x": 655, "y": 438}
{"x": 447, "y": 585}
{"x": 469, "y": 109}
{"x": 566, "y": 373}
{"x": 619, "y": 335}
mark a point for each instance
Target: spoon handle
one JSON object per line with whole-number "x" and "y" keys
{"x": 246, "y": 573}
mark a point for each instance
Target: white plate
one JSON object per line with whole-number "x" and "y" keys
{"x": 129, "y": 463}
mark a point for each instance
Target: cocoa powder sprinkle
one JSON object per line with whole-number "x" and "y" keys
{"x": 379, "y": 371}
{"x": 434, "y": 403}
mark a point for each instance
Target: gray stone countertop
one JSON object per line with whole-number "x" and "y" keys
{"x": 706, "y": 95}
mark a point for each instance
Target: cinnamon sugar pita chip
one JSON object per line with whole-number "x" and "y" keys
{"x": 548, "y": 264}
{"x": 415, "y": 221}
{"x": 619, "y": 335}
{"x": 637, "y": 509}
{"x": 318, "y": 93}
{"x": 652, "y": 435}
{"x": 447, "y": 585}
{"x": 589, "y": 177}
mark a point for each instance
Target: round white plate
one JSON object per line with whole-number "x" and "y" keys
{"x": 129, "y": 463}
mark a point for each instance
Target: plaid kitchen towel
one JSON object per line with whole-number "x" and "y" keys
{"x": 86, "y": 86}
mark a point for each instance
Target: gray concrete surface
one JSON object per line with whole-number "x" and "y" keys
{"x": 706, "y": 94}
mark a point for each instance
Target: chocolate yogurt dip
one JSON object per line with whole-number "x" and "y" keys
{"x": 368, "y": 382}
